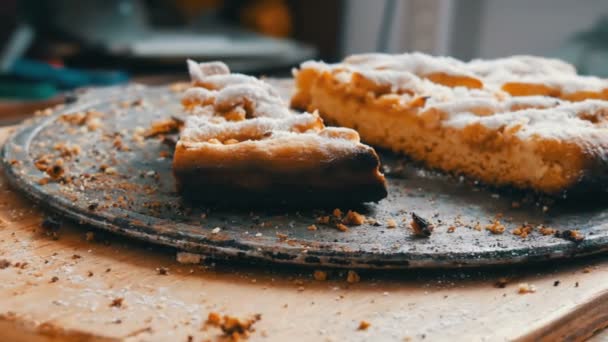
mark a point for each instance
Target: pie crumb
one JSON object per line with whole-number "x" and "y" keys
{"x": 353, "y": 218}
{"x": 524, "y": 288}
{"x": 337, "y": 213}
{"x": 117, "y": 302}
{"x": 363, "y": 325}
{"x": 341, "y": 227}
{"x": 496, "y": 227}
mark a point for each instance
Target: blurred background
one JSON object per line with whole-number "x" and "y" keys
{"x": 48, "y": 47}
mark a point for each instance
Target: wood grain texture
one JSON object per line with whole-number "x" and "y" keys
{"x": 90, "y": 275}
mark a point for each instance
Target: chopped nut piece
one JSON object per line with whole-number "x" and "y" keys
{"x": 352, "y": 277}
{"x": 390, "y": 223}
{"x": 363, "y": 325}
{"x": 54, "y": 279}
{"x": 320, "y": 275}
{"x": 4, "y": 264}
{"x": 524, "y": 288}
{"x": 341, "y": 227}
{"x": 421, "y": 226}
{"x": 496, "y": 227}
{"x": 353, "y": 218}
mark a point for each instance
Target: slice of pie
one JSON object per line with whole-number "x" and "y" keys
{"x": 522, "y": 121}
{"x": 241, "y": 143}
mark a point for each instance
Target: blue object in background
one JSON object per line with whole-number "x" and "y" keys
{"x": 64, "y": 78}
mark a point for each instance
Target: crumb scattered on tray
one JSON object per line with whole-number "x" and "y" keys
{"x": 556, "y": 283}
{"x": 312, "y": 227}
{"x": 363, "y": 325}
{"x": 352, "y": 277}
{"x": 570, "y": 235}
{"x": 320, "y": 275}
{"x": 341, "y": 227}
{"x": 524, "y": 288}
{"x": 496, "y": 227}
{"x": 162, "y": 270}
{"x": 523, "y": 231}
{"x": 164, "y": 126}
{"x": 54, "y": 279}
{"x": 353, "y": 218}
{"x": 546, "y": 230}
{"x": 421, "y": 226}
{"x": 391, "y": 223}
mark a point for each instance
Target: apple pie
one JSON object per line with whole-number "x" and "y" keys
{"x": 521, "y": 121}
{"x": 241, "y": 142}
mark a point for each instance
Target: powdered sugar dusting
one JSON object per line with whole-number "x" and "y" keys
{"x": 555, "y": 116}
{"x": 234, "y": 111}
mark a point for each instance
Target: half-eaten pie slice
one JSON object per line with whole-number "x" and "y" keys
{"x": 241, "y": 142}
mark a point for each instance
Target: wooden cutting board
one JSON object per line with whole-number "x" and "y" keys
{"x": 78, "y": 284}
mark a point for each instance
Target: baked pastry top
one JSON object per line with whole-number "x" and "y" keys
{"x": 524, "y": 121}
{"x": 241, "y": 141}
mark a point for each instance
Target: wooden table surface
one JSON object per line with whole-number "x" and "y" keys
{"x": 68, "y": 284}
